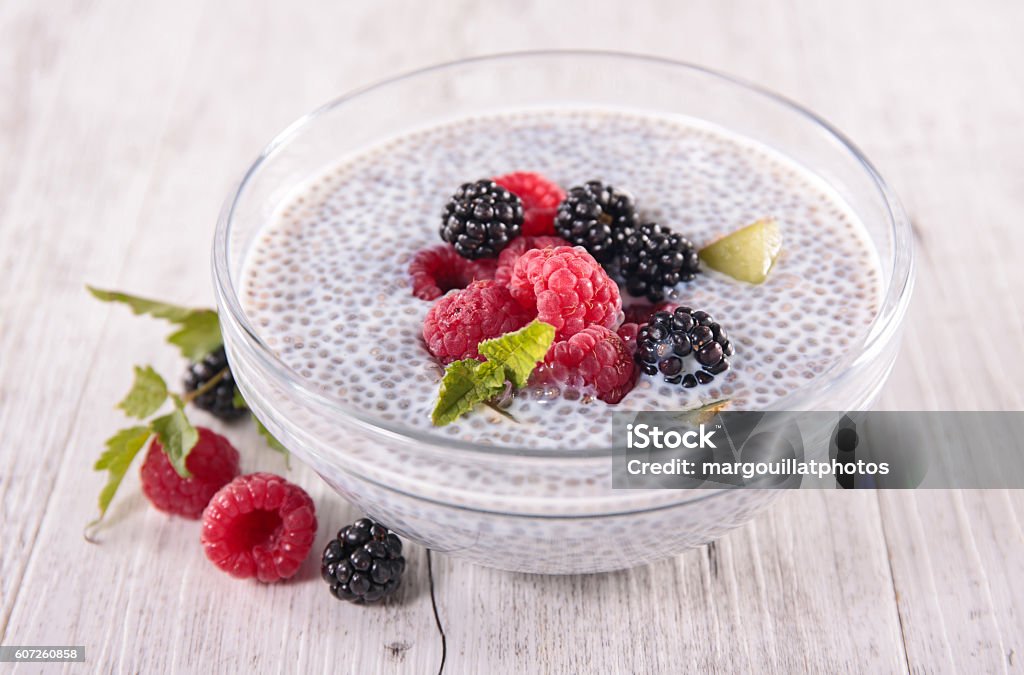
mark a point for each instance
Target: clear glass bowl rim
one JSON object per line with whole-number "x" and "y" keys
{"x": 883, "y": 328}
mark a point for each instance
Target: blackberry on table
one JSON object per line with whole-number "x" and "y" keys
{"x": 364, "y": 563}
{"x": 597, "y": 217}
{"x": 669, "y": 338}
{"x": 219, "y": 401}
{"x": 481, "y": 218}
{"x": 653, "y": 258}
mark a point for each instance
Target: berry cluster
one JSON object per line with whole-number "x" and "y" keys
{"x": 520, "y": 249}
{"x": 603, "y": 220}
{"x": 364, "y": 563}
{"x": 256, "y": 525}
{"x": 481, "y": 219}
{"x": 597, "y": 217}
{"x": 663, "y": 345}
{"x": 653, "y": 258}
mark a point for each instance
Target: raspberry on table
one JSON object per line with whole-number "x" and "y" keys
{"x": 595, "y": 358}
{"x": 220, "y": 400}
{"x": 654, "y": 258}
{"x": 364, "y": 563}
{"x": 461, "y": 320}
{"x": 259, "y": 525}
{"x": 438, "y": 269}
{"x": 507, "y": 258}
{"x": 480, "y": 219}
{"x": 597, "y": 217}
{"x": 566, "y": 288}
{"x": 666, "y": 343}
{"x": 213, "y": 462}
{"x": 540, "y": 198}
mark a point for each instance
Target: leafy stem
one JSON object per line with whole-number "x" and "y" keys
{"x": 207, "y": 386}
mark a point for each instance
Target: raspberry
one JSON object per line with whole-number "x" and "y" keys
{"x": 460, "y": 321}
{"x": 364, "y": 563}
{"x": 508, "y": 257}
{"x": 259, "y": 525}
{"x": 566, "y": 288}
{"x": 593, "y": 359}
{"x": 540, "y": 199}
{"x": 213, "y": 462}
{"x": 219, "y": 401}
{"x": 436, "y": 270}
{"x": 628, "y": 332}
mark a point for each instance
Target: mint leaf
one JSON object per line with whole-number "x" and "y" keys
{"x": 518, "y": 353}
{"x": 121, "y": 450}
{"x": 199, "y": 334}
{"x": 154, "y": 308}
{"x": 148, "y": 393}
{"x": 465, "y": 384}
{"x": 177, "y": 435}
{"x": 511, "y": 357}
{"x": 272, "y": 442}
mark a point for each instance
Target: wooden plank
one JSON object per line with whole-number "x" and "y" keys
{"x": 150, "y": 600}
{"x": 67, "y": 197}
{"x": 956, "y": 559}
{"x": 804, "y": 588}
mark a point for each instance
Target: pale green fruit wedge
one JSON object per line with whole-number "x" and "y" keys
{"x": 747, "y": 254}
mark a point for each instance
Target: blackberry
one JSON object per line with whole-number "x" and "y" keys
{"x": 219, "y": 401}
{"x": 670, "y": 337}
{"x": 480, "y": 219}
{"x": 653, "y": 258}
{"x": 364, "y": 563}
{"x": 597, "y": 217}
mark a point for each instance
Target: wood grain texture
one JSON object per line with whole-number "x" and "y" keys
{"x": 122, "y": 128}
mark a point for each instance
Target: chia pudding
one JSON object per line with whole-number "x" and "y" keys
{"x": 326, "y": 284}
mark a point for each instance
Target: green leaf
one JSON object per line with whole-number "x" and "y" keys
{"x": 154, "y": 308}
{"x": 272, "y": 442}
{"x": 148, "y": 393}
{"x": 238, "y": 402}
{"x": 199, "y": 335}
{"x": 121, "y": 450}
{"x": 465, "y": 384}
{"x": 199, "y": 332}
{"x": 178, "y": 437}
{"x": 518, "y": 353}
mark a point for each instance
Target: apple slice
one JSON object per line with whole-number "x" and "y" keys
{"x": 748, "y": 253}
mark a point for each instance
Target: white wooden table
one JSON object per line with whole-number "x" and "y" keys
{"x": 122, "y": 127}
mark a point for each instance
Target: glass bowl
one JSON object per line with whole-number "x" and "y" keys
{"x": 513, "y": 508}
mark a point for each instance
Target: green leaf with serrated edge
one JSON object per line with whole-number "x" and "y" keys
{"x": 237, "y": 401}
{"x": 272, "y": 442}
{"x": 178, "y": 437}
{"x": 148, "y": 393}
{"x": 465, "y": 384}
{"x": 518, "y": 352}
{"x": 121, "y": 450}
{"x": 199, "y": 335}
{"x": 154, "y": 308}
